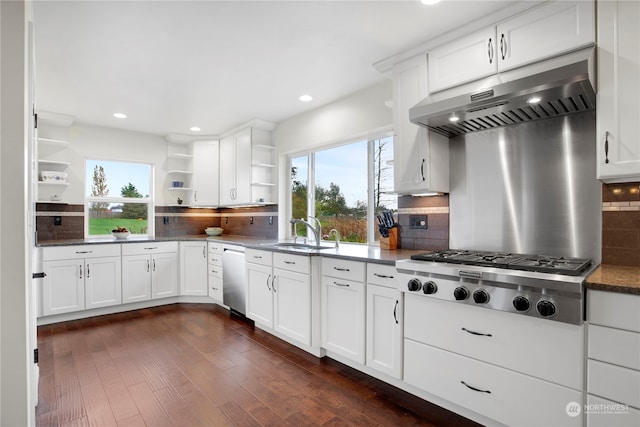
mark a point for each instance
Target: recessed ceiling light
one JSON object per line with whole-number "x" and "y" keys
{"x": 305, "y": 98}
{"x": 120, "y": 115}
{"x": 534, "y": 100}
{"x": 194, "y": 129}
{"x": 429, "y": 2}
{"x": 454, "y": 118}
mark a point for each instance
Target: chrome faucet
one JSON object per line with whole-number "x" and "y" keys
{"x": 314, "y": 226}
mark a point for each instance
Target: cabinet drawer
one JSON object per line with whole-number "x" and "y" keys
{"x": 614, "y": 346}
{"x": 297, "y": 263}
{"x": 613, "y": 382}
{"x": 83, "y": 251}
{"x": 506, "y": 396}
{"x": 214, "y": 258}
{"x": 149, "y": 248}
{"x": 605, "y": 413}
{"x": 344, "y": 269}
{"x": 509, "y": 340}
{"x": 215, "y": 270}
{"x": 214, "y": 247}
{"x": 383, "y": 275}
{"x": 257, "y": 256}
{"x": 613, "y": 309}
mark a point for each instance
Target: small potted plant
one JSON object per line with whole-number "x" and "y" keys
{"x": 179, "y": 201}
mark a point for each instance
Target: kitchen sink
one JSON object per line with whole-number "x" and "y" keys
{"x": 300, "y": 247}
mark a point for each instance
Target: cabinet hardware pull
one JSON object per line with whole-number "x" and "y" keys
{"x": 214, "y": 288}
{"x": 273, "y": 283}
{"x": 503, "y": 46}
{"x": 147, "y": 266}
{"x": 195, "y": 196}
{"x": 475, "y": 389}
{"x": 606, "y": 147}
{"x": 80, "y": 267}
{"x": 422, "y": 169}
{"x": 88, "y": 271}
{"x": 257, "y": 257}
{"x": 341, "y": 269}
{"x": 476, "y": 333}
{"x": 346, "y": 285}
{"x": 154, "y": 265}
{"x": 204, "y": 253}
{"x": 384, "y": 276}
{"x": 268, "y": 287}
{"x": 84, "y": 252}
{"x": 214, "y": 259}
{"x": 395, "y": 308}
{"x": 490, "y": 51}
{"x": 151, "y": 248}
{"x": 289, "y": 262}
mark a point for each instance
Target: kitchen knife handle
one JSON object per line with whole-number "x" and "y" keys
{"x": 606, "y": 147}
{"x": 490, "y": 51}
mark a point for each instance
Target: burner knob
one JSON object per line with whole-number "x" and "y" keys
{"x": 521, "y": 303}
{"x": 460, "y": 293}
{"x": 546, "y": 308}
{"x": 480, "y": 296}
{"x": 429, "y": 288}
{"x": 414, "y": 285}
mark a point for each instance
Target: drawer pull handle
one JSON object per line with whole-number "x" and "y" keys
{"x": 273, "y": 283}
{"x": 384, "y": 276}
{"x": 151, "y": 248}
{"x": 154, "y": 265}
{"x": 476, "y": 333}
{"x": 214, "y": 259}
{"x": 84, "y": 252}
{"x": 341, "y": 269}
{"x": 147, "y": 266}
{"x": 475, "y": 389}
{"x": 289, "y": 262}
{"x": 268, "y": 287}
{"x": 257, "y": 257}
{"x": 345, "y": 285}
{"x": 395, "y": 308}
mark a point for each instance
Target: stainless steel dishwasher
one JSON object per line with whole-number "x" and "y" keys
{"x": 234, "y": 282}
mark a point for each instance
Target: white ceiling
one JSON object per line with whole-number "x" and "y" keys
{"x": 170, "y": 65}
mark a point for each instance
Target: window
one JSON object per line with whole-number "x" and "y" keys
{"x": 352, "y": 182}
{"x": 118, "y": 195}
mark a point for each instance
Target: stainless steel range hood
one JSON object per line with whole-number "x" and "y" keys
{"x": 564, "y": 87}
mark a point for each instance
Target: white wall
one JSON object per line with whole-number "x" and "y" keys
{"x": 348, "y": 119}
{"x": 90, "y": 141}
{"x": 15, "y": 357}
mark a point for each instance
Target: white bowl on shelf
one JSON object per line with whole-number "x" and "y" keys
{"x": 213, "y": 231}
{"x": 53, "y": 176}
{"x": 121, "y": 235}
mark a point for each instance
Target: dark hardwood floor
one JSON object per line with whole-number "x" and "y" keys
{"x": 195, "y": 365}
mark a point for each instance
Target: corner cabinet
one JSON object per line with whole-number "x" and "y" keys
{"x": 193, "y": 269}
{"x": 421, "y": 157}
{"x": 618, "y": 98}
{"x": 205, "y": 181}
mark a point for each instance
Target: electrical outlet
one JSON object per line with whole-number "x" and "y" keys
{"x": 165, "y": 220}
{"x": 270, "y": 220}
{"x": 418, "y": 222}
{"x": 250, "y": 220}
{"x": 226, "y": 220}
{"x": 57, "y": 220}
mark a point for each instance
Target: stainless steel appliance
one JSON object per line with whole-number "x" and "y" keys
{"x": 545, "y": 287}
{"x": 234, "y": 289}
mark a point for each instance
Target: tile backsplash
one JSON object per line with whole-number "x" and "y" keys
{"x": 436, "y": 209}
{"x": 621, "y": 224}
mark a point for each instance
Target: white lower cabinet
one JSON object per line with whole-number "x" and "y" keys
{"x": 385, "y": 312}
{"x": 343, "y": 308}
{"x": 259, "y": 292}
{"x": 607, "y": 413}
{"x": 149, "y": 271}
{"x": 80, "y": 277}
{"x": 214, "y": 251}
{"x": 193, "y": 269}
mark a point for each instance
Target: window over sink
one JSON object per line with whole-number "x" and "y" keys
{"x": 352, "y": 183}
{"x": 118, "y": 195}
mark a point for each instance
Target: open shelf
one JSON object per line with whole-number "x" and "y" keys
{"x": 181, "y": 172}
{"x": 180, "y": 156}
{"x": 179, "y": 188}
{"x": 51, "y": 141}
{"x": 264, "y": 165}
{"x": 53, "y": 163}
{"x": 53, "y": 184}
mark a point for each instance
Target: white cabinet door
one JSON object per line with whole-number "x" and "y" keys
{"x": 227, "y": 169}
{"x": 136, "y": 278}
{"x": 193, "y": 268}
{"x": 259, "y": 294}
{"x": 103, "y": 282}
{"x": 243, "y": 167}
{"x": 463, "y": 60}
{"x": 549, "y": 30}
{"x": 606, "y": 413}
{"x": 384, "y": 329}
{"x": 62, "y": 287}
{"x": 215, "y": 289}
{"x": 618, "y": 99}
{"x": 343, "y": 317}
{"x": 164, "y": 275}
{"x": 421, "y": 158}
{"x": 206, "y": 173}
{"x": 292, "y": 305}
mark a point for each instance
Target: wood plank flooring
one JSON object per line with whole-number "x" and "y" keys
{"x": 197, "y": 365}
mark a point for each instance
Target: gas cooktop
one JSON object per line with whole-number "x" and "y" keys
{"x": 536, "y": 263}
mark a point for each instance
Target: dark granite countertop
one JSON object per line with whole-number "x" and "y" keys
{"x": 356, "y": 252}
{"x": 615, "y": 278}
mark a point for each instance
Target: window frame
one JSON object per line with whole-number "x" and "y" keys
{"x": 149, "y": 201}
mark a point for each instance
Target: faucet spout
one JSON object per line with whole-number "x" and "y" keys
{"x": 314, "y": 226}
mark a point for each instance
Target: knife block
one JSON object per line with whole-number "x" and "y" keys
{"x": 390, "y": 242}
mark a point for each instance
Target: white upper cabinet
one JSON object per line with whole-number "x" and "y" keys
{"x": 235, "y": 168}
{"x": 421, "y": 157}
{"x": 463, "y": 60}
{"x": 546, "y": 31}
{"x": 205, "y": 173}
{"x": 618, "y": 99}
